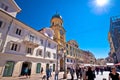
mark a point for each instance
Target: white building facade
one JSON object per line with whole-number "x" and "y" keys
{"x": 21, "y": 46}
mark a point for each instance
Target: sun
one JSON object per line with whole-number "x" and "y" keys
{"x": 101, "y": 3}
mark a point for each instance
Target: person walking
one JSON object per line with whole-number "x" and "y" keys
{"x": 72, "y": 73}
{"x": 48, "y": 73}
{"x": 84, "y": 73}
{"x": 42, "y": 70}
{"x": 56, "y": 74}
{"x": 77, "y": 72}
{"x": 80, "y": 72}
{"x": 26, "y": 72}
{"x": 90, "y": 75}
{"x": 97, "y": 70}
{"x": 101, "y": 70}
{"x": 113, "y": 74}
{"x": 29, "y": 72}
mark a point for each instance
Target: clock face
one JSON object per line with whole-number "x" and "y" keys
{"x": 61, "y": 32}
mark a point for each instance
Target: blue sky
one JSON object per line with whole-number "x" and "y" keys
{"x": 84, "y": 22}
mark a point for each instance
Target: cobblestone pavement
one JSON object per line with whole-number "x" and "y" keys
{"x": 38, "y": 77}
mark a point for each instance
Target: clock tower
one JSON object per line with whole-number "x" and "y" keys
{"x": 59, "y": 36}
{"x": 57, "y": 27}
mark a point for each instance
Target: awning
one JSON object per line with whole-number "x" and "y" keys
{"x": 109, "y": 64}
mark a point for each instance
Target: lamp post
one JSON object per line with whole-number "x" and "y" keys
{"x": 65, "y": 72}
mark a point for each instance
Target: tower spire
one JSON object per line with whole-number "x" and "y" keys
{"x": 57, "y": 12}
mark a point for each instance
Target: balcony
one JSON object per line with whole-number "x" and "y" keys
{"x": 30, "y": 42}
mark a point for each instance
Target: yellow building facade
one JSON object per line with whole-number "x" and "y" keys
{"x": 59, "y": 37}
{"x": 72, "y": 53}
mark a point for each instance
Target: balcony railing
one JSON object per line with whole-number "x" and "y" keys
{"x": 28, "y": 41}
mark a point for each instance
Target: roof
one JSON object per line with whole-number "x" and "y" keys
{"x": 15, "y": 4}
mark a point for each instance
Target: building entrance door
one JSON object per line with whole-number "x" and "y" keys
{"x": 53, "y": 67}
{"x": 9, "y": 66}
{"x": 61, "y": 64}
{"x": 24, "y": 66}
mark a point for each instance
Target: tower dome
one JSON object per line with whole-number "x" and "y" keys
{"x": 57, "y": 16}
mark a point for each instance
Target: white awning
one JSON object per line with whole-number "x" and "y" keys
{"x": 109, "y": 64}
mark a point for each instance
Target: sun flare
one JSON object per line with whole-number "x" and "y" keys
{"x": 101, "y": 2}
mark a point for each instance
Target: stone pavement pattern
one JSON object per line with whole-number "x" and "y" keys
{"x": 38, "y": 77}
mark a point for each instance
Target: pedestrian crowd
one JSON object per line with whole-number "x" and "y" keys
{"x": 88, "y": 73}
{"x": 82, "y": 73}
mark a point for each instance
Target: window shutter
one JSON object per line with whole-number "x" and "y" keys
{"x": 14, "y": 29}
{"x": 9, "y": 45}
{"x": 0, "y": 42}
{"x": 37, "y": 52}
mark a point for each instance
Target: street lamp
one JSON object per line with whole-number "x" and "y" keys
{"x": 65, "y": 72}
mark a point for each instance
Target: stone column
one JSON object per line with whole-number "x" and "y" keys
{"x": 1, "y": 71}
{"x": 17, "y": 69}
{"x": 33, "y": 68}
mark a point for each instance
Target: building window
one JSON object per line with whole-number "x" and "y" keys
{"x": 54, "y": 56}
{"x": 49, "y": 45}
{"x": 3, "y": 6}
{"x": 52, "y": 23}
{"x": 67, "y": 45}
{"x": 49, "y": 55}
{"x": 41, "y": 41}
{"x": 0, "y": 42}
{"x": 1, "y": 24}
{"x": 70, "y": 48}
{"x": 70, "y": 53}
{"x": 39, "y": 52}
{"x": 53, "y": 67}
{"x": 61, "y": 24}
{"x": 14, "y": 47}
{"x": 54, "y": 46}
{"x": 6, "y": 8}
{"x": 32, "y": 38}
{"x": 67, "y": 52}
{"x": 29, "y": 50}
{"x": 18, "y": 31}
{"x": 9, "y": 67}
{"x": 67, "y": 60}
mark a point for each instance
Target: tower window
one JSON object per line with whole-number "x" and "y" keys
{"x": 52, "y": 23}
{"x": 61, "y": 24}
